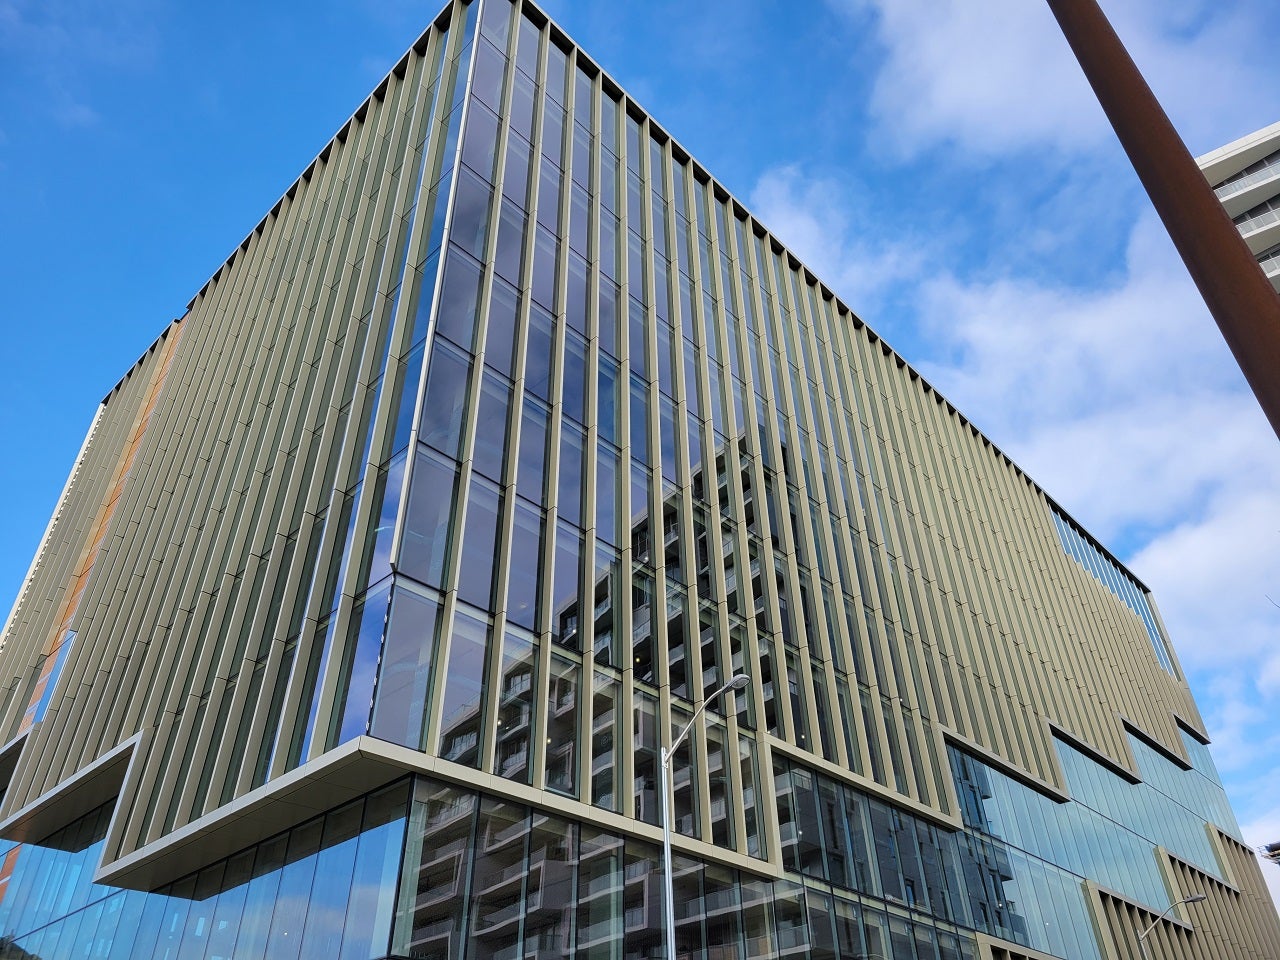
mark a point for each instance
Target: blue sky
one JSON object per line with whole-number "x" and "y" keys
{"x": 941, "y": 163}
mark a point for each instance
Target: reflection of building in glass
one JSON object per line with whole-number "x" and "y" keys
{"x": 1246, "y": 177}
{"x": 501, "y": 442}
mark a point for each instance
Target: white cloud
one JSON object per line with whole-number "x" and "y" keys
{"x": 1213, "y": 575}
{"x": 998, "y": 76}
{"x": 1123, "y": 401}
{"x": 1269, "y": 676}
{"x": 959, "y": 72}
{"x": 829, "y": 230}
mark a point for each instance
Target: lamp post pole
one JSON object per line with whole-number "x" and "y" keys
{"x": 1142, "y": 937}
{"x": 1235, "y": 290}
{"x": 668, "y": 805}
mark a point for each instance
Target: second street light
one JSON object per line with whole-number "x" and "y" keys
{"x": 737, "y": 682}
{"x": 1142, "y": 937}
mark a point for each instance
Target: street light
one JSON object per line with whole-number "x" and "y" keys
{"x": 668, "y": 803}
{"x": 1142, "y": 937}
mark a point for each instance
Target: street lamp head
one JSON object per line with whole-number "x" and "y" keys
{"x": 1142, "y": 937}
{"x": 736, "y": 682}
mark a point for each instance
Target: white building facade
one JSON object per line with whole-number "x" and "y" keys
{"x": 1245, "y": 175}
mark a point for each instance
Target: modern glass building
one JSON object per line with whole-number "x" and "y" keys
{"x": 503, "y": 440}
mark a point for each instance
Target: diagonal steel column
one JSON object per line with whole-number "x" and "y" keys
{"x": 1237, "y": 293}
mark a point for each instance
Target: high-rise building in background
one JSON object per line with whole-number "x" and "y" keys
{"x": 505, "y": 438}
{"x": 1246, "y": 177}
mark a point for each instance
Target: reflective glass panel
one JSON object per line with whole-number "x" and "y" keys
{"x": 562, "y": 723}
{"x": 462, "y": 700}
{"x": 405, "y": 671}
{"x": 425, "y": 540}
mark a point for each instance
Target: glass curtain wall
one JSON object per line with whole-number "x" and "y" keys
{"x": 325, "y": 888}
{"x": 487, "y": 878}
{"x": 441, "y": 871}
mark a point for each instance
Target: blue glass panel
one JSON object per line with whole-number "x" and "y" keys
{"x": 224, "y": 926}
{"x": 260, "y": 897}
{"x": 323, "y": 889}
{"x": 331, "y": 887}
{"x": 284, "y": 940}
{"x": 60, "y": 658}
{"x": 364, "y": 644}
{"x": 462, "y": 707}
{"x": 425, "y": 540}
{"x": 405, "y": 668}
{"x": 1149, "y": 810}
{"x": 370, "y": 907}
{"x": 445, "y": 399}
{"x": 1107, "y": 572}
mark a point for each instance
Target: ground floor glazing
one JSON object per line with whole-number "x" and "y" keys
{"x": 426, "y": 869}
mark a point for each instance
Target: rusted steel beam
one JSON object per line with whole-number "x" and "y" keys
{"x": 1237, "y": 293}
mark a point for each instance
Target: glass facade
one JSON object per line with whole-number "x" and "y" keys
{"x": 610, "y": 334}
{"x": 326, "y": 888}
{"x": 978, "y": 878}
{"x": 1198, "y": 790}
{"x": 430, "y": 871}
{"x": 427, "y": 871}
{"x": 1107, "y": 832}
{"x": 550, "y": 438}
{"x": 423, "y": 869}
{"x": 487, "y": 878}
